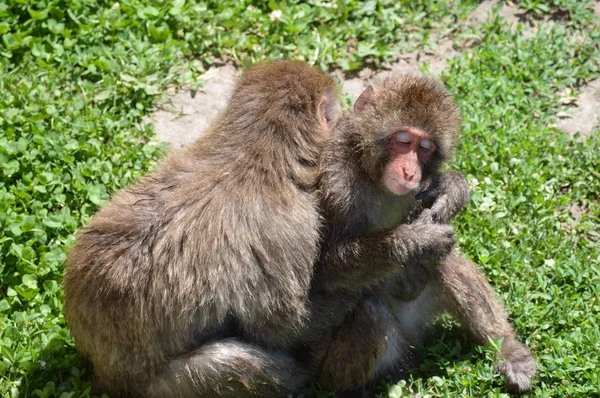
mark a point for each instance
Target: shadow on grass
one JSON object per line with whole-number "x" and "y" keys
{"x": 58, "y": 371}
{"x": 447, "y": 343}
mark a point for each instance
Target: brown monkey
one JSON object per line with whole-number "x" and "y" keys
{"x": 379, "y": 234}
{"x": 192, "y": 282}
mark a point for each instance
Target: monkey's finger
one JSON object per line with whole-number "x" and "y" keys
{"x": 440, "y": 212}
{"x": 434, "y": 191}
{"x": 430, "y": 193}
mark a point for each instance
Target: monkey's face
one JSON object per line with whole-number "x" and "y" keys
{"x": 405, "y": 128}
{"x": 410, "y": 150}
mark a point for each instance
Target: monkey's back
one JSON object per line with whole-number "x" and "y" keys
{"x": 220, "y": 241}
{"x": 172, "y": 261}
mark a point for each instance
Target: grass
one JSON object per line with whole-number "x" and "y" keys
{"x": 77, "y": 77}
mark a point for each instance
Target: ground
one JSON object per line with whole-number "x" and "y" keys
{"x": 79, "y": 79}
{"x": 185, "y": 116}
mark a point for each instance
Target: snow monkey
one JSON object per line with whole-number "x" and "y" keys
{"x": 192, "y": 282}
{"x": 394, "y": 246}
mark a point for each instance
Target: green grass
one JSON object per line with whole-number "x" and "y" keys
{"x": 77, "y": 77}
{"x": 518, "y": 227}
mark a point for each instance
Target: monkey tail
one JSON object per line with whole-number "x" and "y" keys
{"x": 231, "y": 368}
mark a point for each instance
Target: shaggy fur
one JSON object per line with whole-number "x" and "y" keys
{"x": 395, "y": 251}
{"x": 184, "y": 284}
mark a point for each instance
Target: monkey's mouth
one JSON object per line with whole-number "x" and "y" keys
{"x": 399, "y": 187}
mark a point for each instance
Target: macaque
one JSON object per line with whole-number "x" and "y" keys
{"x": 192, "y": 282}
{"x": 391, "y": 243}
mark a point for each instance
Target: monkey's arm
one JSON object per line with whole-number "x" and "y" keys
{"x": 467, "y": 294}
{"x": 449, "y": 194}
{"x": 368, "y": 259}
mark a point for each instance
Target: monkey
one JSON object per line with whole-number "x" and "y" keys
{"x": 393, "y": 245}
{"x": 193, "y": 281}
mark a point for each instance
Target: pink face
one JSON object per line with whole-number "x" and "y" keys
{"x": 410, "y": 149}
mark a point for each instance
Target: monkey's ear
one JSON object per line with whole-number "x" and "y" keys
{"x": 322, "y": 112}
{"x": 365, "y": 99}
{"x": 328, "y": 111}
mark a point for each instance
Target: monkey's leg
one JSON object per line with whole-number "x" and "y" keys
{"x": 349, "y": 352}
{"x": 367, "y": 344}
{"x": 230, "y": 368}
{"x": 470, "y": 298}
{"x": 380, "y": 338}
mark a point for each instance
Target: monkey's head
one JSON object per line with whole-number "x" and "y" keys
{"x": 281, "y": 113}
{"x": 404, "y": 129}
{"x": 288, "y": 100}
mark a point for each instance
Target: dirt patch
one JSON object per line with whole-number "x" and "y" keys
{"x": 583, "y": 116}
{"x": 354, "y": 87}
{"x": 576, "y": 212}
{"x": 183, "y": 118}
{"x": 508, "y": 12}
{"x": 434, "y": 59}
{"x": 512, "y": 15}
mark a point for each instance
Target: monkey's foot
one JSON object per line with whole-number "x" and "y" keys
{"x": 518, "y": 366}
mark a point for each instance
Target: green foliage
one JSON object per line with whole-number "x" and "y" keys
{"x": 343, "y": 33}
{"x": 525, "y": 176}
{"x": 77, "y": 78}
{"x": 338, "y": 33}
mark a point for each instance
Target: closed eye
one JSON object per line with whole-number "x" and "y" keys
{"x": 426, "y": 144}
{"x": 403, "y": 138}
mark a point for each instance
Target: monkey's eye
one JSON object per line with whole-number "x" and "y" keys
{"x": 425, "y": 144}
{"x": 403, "y": 138}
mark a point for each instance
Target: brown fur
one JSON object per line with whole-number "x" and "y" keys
{"x": 393, "y": 250}
{"x": 184, "y": 284}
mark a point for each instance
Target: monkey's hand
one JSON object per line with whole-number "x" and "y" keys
{"x": 423, "y": 242}
{"x": 518, "y": 367}
{"x": 451, "y": 193}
